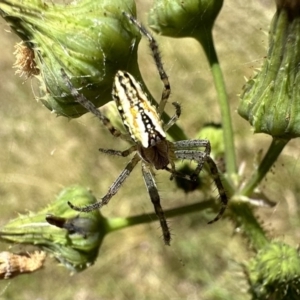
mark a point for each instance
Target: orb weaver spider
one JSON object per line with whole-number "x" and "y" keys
{"x": 147, "y": 132}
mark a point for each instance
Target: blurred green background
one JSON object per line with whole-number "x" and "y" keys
{"x": 41, "y": 154}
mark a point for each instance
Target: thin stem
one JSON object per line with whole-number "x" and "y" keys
{"x": 241, "y": 212}
{"x": 209, "y": 49}
{"x": 114, "y": 224}
{"x": 271, "y": 156}
{"x": 244, "y": 219}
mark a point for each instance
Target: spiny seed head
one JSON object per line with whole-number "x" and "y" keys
{"x": 89, "y": 39}
{"x": 73, "y": 239}
{"x": 270, "y": 100}
{"x": 274, "y": 273}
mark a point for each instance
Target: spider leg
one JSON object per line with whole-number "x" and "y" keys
{"x": 196, "y": 155}
{"x": 176, "y": 116}
{"x": 216, "y": 177}
{"x": 118, "y": 153}
{"x": 114, "y": 188}
{"x": 159, "y": 65}
{"x": 183, "y": 150}
{"x": 89, "y": 106}
{"x": 175, "y": 173}
{"x": 202, "y": 157}
{"x": 191, "y": 144}
{"x": 155, "y": 199}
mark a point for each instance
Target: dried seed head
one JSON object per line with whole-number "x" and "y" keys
{"x": 12, "y": 265}
{"x": 25, "y": 63}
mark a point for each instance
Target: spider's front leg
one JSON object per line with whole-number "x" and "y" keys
{"x": 112, "y": 190}
{"x": 176, "y": 116}
{"x": 89, "y": 106}
{"x": 157, "y": 59}
{"x": 155, "y": 199}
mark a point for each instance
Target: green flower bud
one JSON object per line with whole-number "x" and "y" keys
{"x": 74, "y": 239}
{"x": 178, "y": 18}
{"x": 270, "y": 100}
{"x": 275, "y": 273}
{"x": 89, "y": 39}
{"x": 213, "y": 133}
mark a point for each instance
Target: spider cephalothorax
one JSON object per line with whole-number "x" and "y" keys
{"x": 147, "y": 132}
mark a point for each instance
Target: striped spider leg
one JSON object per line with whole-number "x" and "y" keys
{"x": 189, "y": 150}
{"x": 147, "y": 132}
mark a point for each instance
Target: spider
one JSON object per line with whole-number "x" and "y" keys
{"x": 147, "y": 133}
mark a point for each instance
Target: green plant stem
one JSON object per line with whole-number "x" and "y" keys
{"x": 244, "y": 219}
{"x": 241, "y": 212}
{"x": 271, "y": 156}
{"x": 209, "y": 49}
{"x": 114, "y": 224}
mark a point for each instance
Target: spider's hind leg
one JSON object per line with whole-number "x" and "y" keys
{"x": 183, "y": 151}
{"x": 155, "y": 199}
{"x": 222, "y": 193}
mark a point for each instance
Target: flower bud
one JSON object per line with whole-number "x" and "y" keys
{"x": 275, "y": 273}
{"x": 270, "y": 100}
{"x": 214, "y": 133}
{"x": 89, "y": 39}
{"x": 178, "y": 18}
{"x": 72, "y": 238}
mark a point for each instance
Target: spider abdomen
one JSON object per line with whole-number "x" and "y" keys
{"x": 139, "y": 115}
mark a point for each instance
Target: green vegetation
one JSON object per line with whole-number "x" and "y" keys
{"x": 42, "y": 154}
